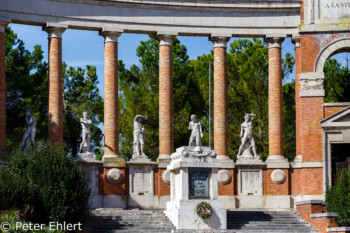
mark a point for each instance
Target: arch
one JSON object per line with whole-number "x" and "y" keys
{"x": 335, "y": 47}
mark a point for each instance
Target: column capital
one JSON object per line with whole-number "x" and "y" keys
{"x": 54, "y": 32}
{"x": 166, "y": 38}
{"x": 3, "y": 24}
{"x": 296, "y": 40}
{"x": 220, "y": 41}
{"x": 111, "y": 34}
{"x": 275, "y": 40}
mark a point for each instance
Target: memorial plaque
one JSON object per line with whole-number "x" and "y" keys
{"x": 199, "y": 183}
{"x": 334, "y": 9}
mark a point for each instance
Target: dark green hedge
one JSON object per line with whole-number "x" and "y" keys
{"x": 338, "y": 198}
{"x": 47, "y": 183}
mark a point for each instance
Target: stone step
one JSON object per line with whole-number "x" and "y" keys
{"x": 154, "y": 221}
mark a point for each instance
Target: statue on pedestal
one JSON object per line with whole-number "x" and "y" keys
{"x": 138, "y": 136}
{"x": 248, "y": 142}
{"x": 29, "y": 135}
{"x": 86, "y": 134}
{"x": 197, "y": 134}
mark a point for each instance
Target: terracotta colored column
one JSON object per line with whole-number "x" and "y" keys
{"x": 55, "y": 84}
{"x": 111, "y": 108}
{"x": 275, "y": 99}
{"x": 2, "y": 88}
{"x": 220, "y": 98}
{"x": 298, "y": 110}
{"x": 166, "y": 112}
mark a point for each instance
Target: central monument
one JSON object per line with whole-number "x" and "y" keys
{"x": 194, "y": 179}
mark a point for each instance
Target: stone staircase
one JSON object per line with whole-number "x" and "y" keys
{"x": 147, "y": 221}
{"x": 267, "y": 221}
{"x": 128, "y": 221}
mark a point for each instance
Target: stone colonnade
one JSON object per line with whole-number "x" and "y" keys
{"x": 166, "y": 118}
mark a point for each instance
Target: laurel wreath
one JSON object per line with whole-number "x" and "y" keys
{"x": 204, "y": 210}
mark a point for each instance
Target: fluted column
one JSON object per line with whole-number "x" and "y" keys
{"x": 166, "y": 112}
{"x": 55, "y": 84}
{"x": 111, "y": 108}
{"x": 298, "y": 111}
{"x": 275, "y": 99}
{"x": 2, "y": 88}
{"x": 220, "y": 98}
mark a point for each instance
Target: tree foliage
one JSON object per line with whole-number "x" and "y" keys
{"x": 338, "y": 198}
{"x": 336, "y": 82}
{"x": 27, "y": 87}
{"x": 247, "y": 62}
{"x": 81, "y": 94}
{"x": 46, "y": 181}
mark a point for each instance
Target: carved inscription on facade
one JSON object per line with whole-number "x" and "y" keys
{"x": 334, "y": 9}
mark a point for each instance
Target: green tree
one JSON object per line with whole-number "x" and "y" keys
{"x": 338, "y": 198}
{"x": 51, "y": 185}
{"x": 139, "y": 92}
{"x": 336, "y": 82}
{"x": 27, "y": 87}
{"x": 81, "y": 94}
{"x": 247, "y": 63}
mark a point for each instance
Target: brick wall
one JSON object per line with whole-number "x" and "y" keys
{"x": 227, "y": 189}
{"x": 108, "y": 188}
{"x": 330, "y": 110}
{"x": 160, "y": 187}
{"x": 270, "y": 188}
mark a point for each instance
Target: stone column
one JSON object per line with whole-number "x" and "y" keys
{"x": 275, "y": 99}
{"x": 111, "y": 109}
{"x": 55, "y": 84}
{"x": 166, "y": 112}
{"x": 220, "y": 98}
{"x": 298, "y": 110}
{"x": 2, "y": 89}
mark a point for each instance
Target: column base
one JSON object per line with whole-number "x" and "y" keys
{"x": 113, "y": 161}
{"x": 163, "y": 160}
{"x": 277, "y": 161}
{"x": 226, "y": 161}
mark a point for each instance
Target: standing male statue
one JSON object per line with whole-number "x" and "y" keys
{"x": 138, "y": 135}
{"x": 29, "y": 135}
{"x": 247, "y": 138}
{"x": 86, "y": 134}
{"x": 196, "y": 135}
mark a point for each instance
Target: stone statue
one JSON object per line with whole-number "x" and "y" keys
{"x": 86, "y": 134}
{"x": 247, "y": 137}
{"x": 138, "y": 136}
{"x": 29, "y": 135}
{"x": 196, "y": 135}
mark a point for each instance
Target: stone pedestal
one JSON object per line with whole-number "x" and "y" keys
{"x": 250, "y": 182}
{"x": 141, "y": 183}
{"x": 113, "y": 161}
{"x": 91, "y": 167}
{"x": 194, "y": 178}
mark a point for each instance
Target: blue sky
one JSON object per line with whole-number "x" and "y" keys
{"x": 82, "y": 48}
